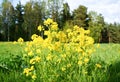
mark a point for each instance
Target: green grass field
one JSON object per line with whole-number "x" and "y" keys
{"x": 108, "y": 55}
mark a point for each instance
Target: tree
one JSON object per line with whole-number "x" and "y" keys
{"x": 54, "y": 9}
{"x": 96, "y": 25}
{"x": 39, "y": 12}
{"x": 65, "y": 16}
{"x": 114, "y": 32}
{"x": 80, "y": 17}
{"x": 33, "y": 17}
{"x": 19, "y": 13}
{"x": 39, "y": 15}
{"x": 1, "y": 30}
{"x": 28, "y": 19}
{"x": 105, "y": 35}
{"x": 7, "y": 18}
{"x": 0, "y": 17}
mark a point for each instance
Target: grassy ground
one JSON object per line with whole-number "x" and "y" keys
{"x": 7, "y": 48}
{"x": 107, "y": 55}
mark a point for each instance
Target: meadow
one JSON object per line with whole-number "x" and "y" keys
{"x": 108, "y": 55}
{"x": 70, "y": 56}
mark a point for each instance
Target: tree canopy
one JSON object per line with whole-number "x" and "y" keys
{"x": 23, "y": 20}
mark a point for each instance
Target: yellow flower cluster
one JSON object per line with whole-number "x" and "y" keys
{"x": 49, "y": 57}
{"x": 63, "y": 68}
{"x": 79, "y": 35}
{"x": 20, "y": 40}
{"x": 48, "y": 22}
{"x": 30, "y": 53}
{"x": 60, "y": 51}
{"x": 40, "y": 28}
{"x": 34, "y": 36}
{"x": 53, "y": 25}
{"x": 34, "y": 60}
{"x": 29, "y": 72}
{"x": 98, "y": 66}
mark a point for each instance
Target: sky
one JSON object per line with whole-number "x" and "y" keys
{"x": 108, "y": 8}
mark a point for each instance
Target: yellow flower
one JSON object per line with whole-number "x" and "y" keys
{"x": 34, "y": 77}
{"x": 54, "y": 26}
{"x": 68, "y": 65}
{"x": 32, "y": 61}
{"x": 68, "y": 30}
{"x": 48, "y": 22}
{"x": 63, "y": 55}
{"x": 47, "y": 33}
{"x": 63, "y": 68}
{"x": 27, "y": 49}
{"x": 81, "y": 57}
{"x": 79, "y": 50}
{"x": 85, "y": 72}
{"x": 54, "y": 34}
{"x": 86, "y": 60}
{"x": 61, "y": 36}
{"x": 70, "y": 34}
{"x": 14, "y": 42}
{"x": 79, "y": 62}
{"x": 32, "y": 68}
{"x": 87, "y": 31}
{"x": 20, "y": 40}
{"x": 38, "y": 51}
{"x": 98, "y": 66}
{"x": 89, "y": 40}
{"x": 90, "y": 51}
{"x": 49, "y": 57}
{"x": 38, "y": 40}
{"x": 27, "y": 71}
{"x": 56, "y": 46}
{"x": 40, "y": 28}
{"x": 37, "y": 59}
{"x": 75, "y": 27}
{"x": 30, "y": 53}
{"x": 34, "y": 36}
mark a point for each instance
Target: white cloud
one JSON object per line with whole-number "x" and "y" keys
{"x": 15, "y": 2}
{"x": 108, "y": 8}
{"x": 24, "y": 1}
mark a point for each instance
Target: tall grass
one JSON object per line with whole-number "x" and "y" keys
{"x": 108, "y": 55}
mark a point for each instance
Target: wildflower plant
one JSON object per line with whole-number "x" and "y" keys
{"x": 62, "y": 56}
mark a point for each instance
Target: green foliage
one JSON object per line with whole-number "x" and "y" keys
{"x": 22, "y": 21}
{"x": 11, "y": 57}
{"x": 80, "y": 17}
{"x": 96, "y": 25}
{"x": 68, "y": 25}
{"x": 18, "y": 30}
{"x": 7, "y": 22}
{"x": 33, "y": 17}
{"x": 12, "y": 76}
{"x": 114, "y": 33}
{"x": 66, "y": 16}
